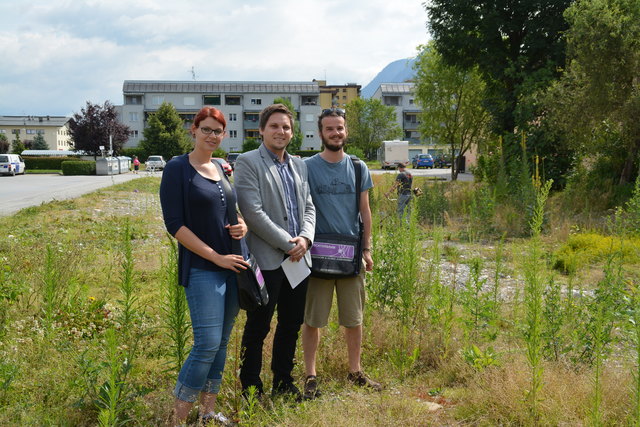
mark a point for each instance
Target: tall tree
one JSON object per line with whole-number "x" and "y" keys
{"x": 517, "y": 46}
{"x": 4, "y": 144}
{"x": 451, "y": 102}
{"x": 165, "y": 133}
{"x": 92, "y": 127}
{"x": 39, "y": 143}
{"x": 296, "y": 141}
{"x": 598, "y": 99}
{"x": 370, "y": 122}
{"x": 18, "y": 145}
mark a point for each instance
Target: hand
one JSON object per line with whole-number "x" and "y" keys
{"x": 297, "y": 252}
{"x": 230, "y": 262}
{"x": 237, "y": 231}
{"x": 368, "y": 260}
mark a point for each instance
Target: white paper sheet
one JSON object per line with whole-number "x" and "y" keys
{"x": 296, "y": 272}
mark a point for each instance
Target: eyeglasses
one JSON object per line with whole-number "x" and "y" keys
{"x": 332, "y": 111}
{"x": 208, "y": 131}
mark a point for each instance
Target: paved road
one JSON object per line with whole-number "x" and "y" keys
{"x": 22, "y": 191}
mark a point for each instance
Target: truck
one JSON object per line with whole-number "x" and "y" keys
{"x": 393, "y": 153}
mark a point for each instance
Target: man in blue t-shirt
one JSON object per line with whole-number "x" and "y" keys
{"x": 332, "y": 182}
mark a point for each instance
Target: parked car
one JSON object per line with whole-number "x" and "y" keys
{"x": 226, "y": 167}
{"x": 11, "y": 164}
{"x": 422, "y": 161}
{"x": 231, "y": 158}
{"x": 442, "y": 161}
{"x": 155, "y": 163}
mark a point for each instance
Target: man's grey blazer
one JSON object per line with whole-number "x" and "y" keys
{"x": 261, "y": 202}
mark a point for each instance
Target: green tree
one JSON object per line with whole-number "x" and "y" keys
{"x": 165, "y": 134}
{"x": 370, "y": 122}
{"x": 4, "y": 144}
{"x": 250, "y": 144}
{"x": 18, "y": 146}
{"x": 597, "y": 101}
{"x": 92, "y": 127}
{"x": 296, "y": 141}
{"x": 39, "y": 143}
{"x": 451, "y": 102}
{"x": 518, "y": 47}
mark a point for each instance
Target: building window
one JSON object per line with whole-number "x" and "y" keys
{"x": 40, "y": 131}
{"x": 157, "y": 99}
{"x": 211, "y": 99}
{"x": 309, "y": 134}
{"x": 252, "y": 134}
{"x": 256, "y": 101}
{"x": 3, "y": 131}
{"x": 31, "y": 131}
{"x": 232, "y": 100}
{"x": 233, "y": 117}
{"x": 309, "y": 100}
{"x": 133, "y": 134}
{"x": 344, "y": 96}
{"x": 233, "y": 134}
{"x": 133, "y": 117}
{"x": 15, "y": 131}
{"x": 133, "y": 100}
{"x": 189, "y": 100}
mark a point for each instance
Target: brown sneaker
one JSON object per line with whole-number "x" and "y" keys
{"x": 360, "y": 379}
{"x": 311, "y": 390}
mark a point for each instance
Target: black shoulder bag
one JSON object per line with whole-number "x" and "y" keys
{"x": 336, "y": 256}
{"x": 252, "y": 292}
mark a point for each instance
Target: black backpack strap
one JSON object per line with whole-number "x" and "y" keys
{"x": 232, "y": 214}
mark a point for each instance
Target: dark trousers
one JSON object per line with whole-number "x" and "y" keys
{"x": 290, "y": 303}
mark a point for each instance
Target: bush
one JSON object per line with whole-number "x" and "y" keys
{"x": 137, "y": 151}
{"x": 585, "y": 248}
{"x": 307, "y": 153}
{"x": 45, "y": 163}
{"x": 433, "y": 203}
{"x": 78, "y": 167}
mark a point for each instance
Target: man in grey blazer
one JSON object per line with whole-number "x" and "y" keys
{"x": 275, "y": 202}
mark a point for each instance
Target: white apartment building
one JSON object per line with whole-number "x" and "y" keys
{"x": 401, "y": 96}
{"x": 241, "y": 102}
{"x": 54, "y": 129}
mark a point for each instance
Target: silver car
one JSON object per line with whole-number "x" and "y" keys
{"x": 155, "y": 163}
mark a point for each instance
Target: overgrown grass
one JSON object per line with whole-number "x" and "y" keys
{"x": 92, "y": 330}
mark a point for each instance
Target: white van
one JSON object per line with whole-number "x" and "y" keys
{"x": 11, "y": 164}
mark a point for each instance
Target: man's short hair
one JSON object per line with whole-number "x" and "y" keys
{"x": 274, "y": 108}
{"x": 401, "y": 166}
{"x": 328, "y": 112}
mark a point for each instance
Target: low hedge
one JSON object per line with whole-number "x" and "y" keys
{"x": 45, "y": 163}
{"x": 79, "y": 167}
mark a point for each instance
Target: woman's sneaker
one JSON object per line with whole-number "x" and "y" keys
{"x": 218, "y": 419}
{"x": 360, "y": 379}
{"x": 311, "y": 390}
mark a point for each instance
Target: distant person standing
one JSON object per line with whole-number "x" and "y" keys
{"x": 136, "y": 164}
{"x": 403, "y": 183}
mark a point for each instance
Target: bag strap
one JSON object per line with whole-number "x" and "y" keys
{"x": 358, "y": 171}
{"x": 232, "y": 214}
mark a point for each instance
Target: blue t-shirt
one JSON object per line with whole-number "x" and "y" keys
{"x": 333, "y": 187}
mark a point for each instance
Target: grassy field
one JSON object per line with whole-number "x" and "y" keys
{"x": 472, "y": 319}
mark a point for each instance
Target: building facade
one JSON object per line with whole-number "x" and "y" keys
{"x": 54, "y": 129}
{"x": 337, "y": 96}
{"x": 401, "y": 96}
{"x": 241, "y": 102}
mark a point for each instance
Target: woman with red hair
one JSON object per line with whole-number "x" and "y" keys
{"x": 194, "y": 207}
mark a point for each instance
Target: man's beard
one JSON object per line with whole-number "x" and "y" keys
{"x": 334, "y": 148}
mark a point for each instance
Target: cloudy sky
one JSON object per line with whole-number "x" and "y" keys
{"x": 55, "y": 55}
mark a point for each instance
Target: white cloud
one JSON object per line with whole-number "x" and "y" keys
{"x": 58, "y": 54}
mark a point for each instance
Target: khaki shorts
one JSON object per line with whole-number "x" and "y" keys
{"x": 350, "y": 295}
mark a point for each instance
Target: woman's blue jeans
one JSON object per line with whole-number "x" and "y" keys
{"x": 213, "y": 305}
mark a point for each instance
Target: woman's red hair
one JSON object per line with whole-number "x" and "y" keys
{"x": 212, "y": 112}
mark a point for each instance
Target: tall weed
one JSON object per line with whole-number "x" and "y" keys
{"x": 175, "y": 309}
